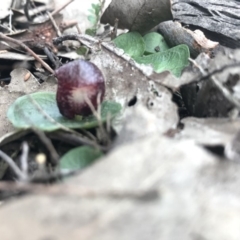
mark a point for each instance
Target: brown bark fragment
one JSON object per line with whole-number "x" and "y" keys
{"x": 218, "y": 19}
{"x": 175, "y": 34}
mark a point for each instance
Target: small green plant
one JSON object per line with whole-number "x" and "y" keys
{"x": 39, "y": 111}
{"x": 153, "y": 50}
{"x": 23, "y": 114}
{"x": 93, "y": 18}
{"x": 79, "y": 158}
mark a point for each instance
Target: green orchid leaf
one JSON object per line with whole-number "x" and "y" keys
{"x": 173, "y": 60}
{"x": 154, "y": 42}
{"x": 24, "y": 114}
{"x": 132, "y": 43}
{"x": 79, "y": 158}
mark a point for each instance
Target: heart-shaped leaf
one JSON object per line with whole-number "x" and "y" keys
{"x": 24, "y": 114}
{"x": 173, "y": 60}
{"x": 154, "y": 42}
{"x": 132, "y": 43}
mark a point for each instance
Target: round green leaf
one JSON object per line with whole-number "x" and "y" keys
{"x": 79, "y": 158}
{"x": 91, "y": 31}
{"x": 132, "y": 43}
{"x": 24, "y": 114}
{"x": 173, "y": 60}
{"x": 82, "y": 50}
{"x": 154, "y": 42}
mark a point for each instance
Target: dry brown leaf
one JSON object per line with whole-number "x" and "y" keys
{"x": 209, "y": 131}
{"x": 137, "y": 15}
{"x": 154, "y": 114}
{"x": 218, "y": 94}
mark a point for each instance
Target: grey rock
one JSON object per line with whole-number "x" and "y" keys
{"x": 198, "y": 198}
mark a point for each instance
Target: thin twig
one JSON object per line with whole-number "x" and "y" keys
{"x": 77, "y": 37}
{"x": 24, "y": 158}
{"x": 89, "y": 134}
{"x": 69, "y": 24}
{"x": 45, "y": 65}
{"x": 108, "y": 123}
{"x": 74, "y": 138}
{"x": 52, "y": 57}
{"x": 63, "y": 38}
{"x": 227, "y": 94}
{"x": 48, "y": 144}
{"x": 215, "y": 71}
{"x": 107, "y": 31}
{"x": 26, "y": 10}
{"x": 10, "y": 21}
{"x": 114, "y": 31}
{"x": 13, "y": 166}
{"x": 78, "y": 29}
{"x": 54, "y": 24}
{"x": 97, "y": 114}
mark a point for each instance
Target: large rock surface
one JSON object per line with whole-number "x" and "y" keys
{"x": 187, "y": 194}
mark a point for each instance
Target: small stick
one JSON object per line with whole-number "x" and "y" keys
{"x": 106, "y": 33}
{"x": 226, "y": 93}
{"x": 26, "y": 10}
{"x": 48, "y": 144}
{"x": 69, "y": 24}
{"x": 75, "y": 139}
{"x": 89, "y": 134}
{"x": 97, "y": 114}
{"x": 59, "y": 40}
{"x": 45, "y": 65}
{"x": 215, "y": 71}
{"x": 114, "y": 31}
{"x": 52, "y": 57}
{"x": 10, "y": 21}
{"x": 24, "y": 158}
{"x": 78, "y": 28}
{"x": 13, "y": 166}
{"x": 54, "y": 24}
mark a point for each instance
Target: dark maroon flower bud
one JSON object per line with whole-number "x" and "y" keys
{"x": 77, "y": 81}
